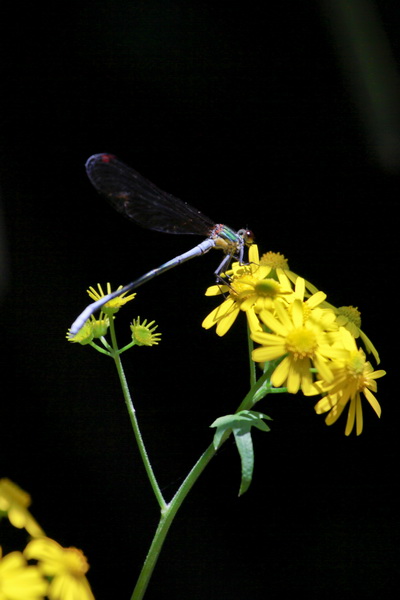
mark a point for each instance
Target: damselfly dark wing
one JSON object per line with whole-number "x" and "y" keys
{"x": 137, "y": 198}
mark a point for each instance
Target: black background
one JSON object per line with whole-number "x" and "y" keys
{"x": 248, "y": 114}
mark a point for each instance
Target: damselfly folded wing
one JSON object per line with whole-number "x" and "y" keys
{"x": 135, "y": 197}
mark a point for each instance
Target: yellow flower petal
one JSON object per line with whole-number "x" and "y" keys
{"x": 373, "y": 401}
{"x": 281, "y": 373}
{"x": 267, "y": 353}
{"x": 225, "y": 324}
{"x": 20, "y": 581}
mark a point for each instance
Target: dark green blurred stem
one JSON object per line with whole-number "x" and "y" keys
{"x": 370, "y": 70}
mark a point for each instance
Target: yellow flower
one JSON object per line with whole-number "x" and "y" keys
{"x": 144, "y": 334}
{"x": 15, "y": 502}
{"x": 223, "y": 316}
{"x": 311, "y": 306}
{"x": 300, "y": 341}
{"x": 84, "y": 336}
{"x": 93, "y": 328}
{"x": 278, "y": 262}
{"x": 65, "y": 566}
{"x": 112, "y": 306}
{"x": 18, "y": 581}
{"x": 99, "y": 325}
{"x": 249, "y": 290}
{"x": 275, "y": 260}
{"x": 350, "y": 318}
{"x": 353, "y": 375}
{"x": 346, "y": 316}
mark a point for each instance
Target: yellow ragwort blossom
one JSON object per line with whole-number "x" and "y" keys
{"x": 249, "y": 290}
{"x": 275, "y": 260}
{"x": 350, "y": 318}
{"x": 84, "y": 336}
{"x": 278, "y": 261}
{"x": 66, "y": 567}
{"x": 92, "y": 329}
{"x": 301, "y": 341}
{"x": 20, "y": 581}
{"x": 353, "y": 375}
{"x": 112, "y": 306}
{"x": 14, "y": 501}
{"x": 144, "y": 334}
{"x": 325, "y": 318}
{"x": 346, "y": 316}
{"x": 99, "y": 325}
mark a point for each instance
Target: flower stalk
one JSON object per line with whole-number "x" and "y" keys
{"x": 115, "y": 353}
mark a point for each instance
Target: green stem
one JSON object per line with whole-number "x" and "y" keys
{"x": 133, "y": 419}
{"x": 167, "y": 516}
{"x": 166, "y": 519}
{"x": 168, "y": 511}
{"x": 127, "y": 347}
{"x": 252, "y": 364}
{"x": 99, "y": 349}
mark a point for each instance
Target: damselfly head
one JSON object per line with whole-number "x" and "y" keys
{"x": 247, "y": 235}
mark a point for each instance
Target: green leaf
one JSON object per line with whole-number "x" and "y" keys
{"x": 240, "y": 425}
{"x": 244, "y": 444}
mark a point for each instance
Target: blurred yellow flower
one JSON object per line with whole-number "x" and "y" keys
{"x": 14, "y": 501}
{"x": 66, "y": 567}
{"x": 18, "y": 580}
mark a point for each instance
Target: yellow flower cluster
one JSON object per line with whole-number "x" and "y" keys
{"x": 312, "y": 342}
{"x": 58, "y": 573}
{"x": 143, "y": 333}
{"x": 96, "y": 328}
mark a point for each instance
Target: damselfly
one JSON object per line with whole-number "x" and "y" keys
{"x": 140, "y": 200}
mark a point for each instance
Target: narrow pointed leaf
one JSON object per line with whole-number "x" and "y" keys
{"x": 244, "y": 444}
{"x": 240, "y": 424}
